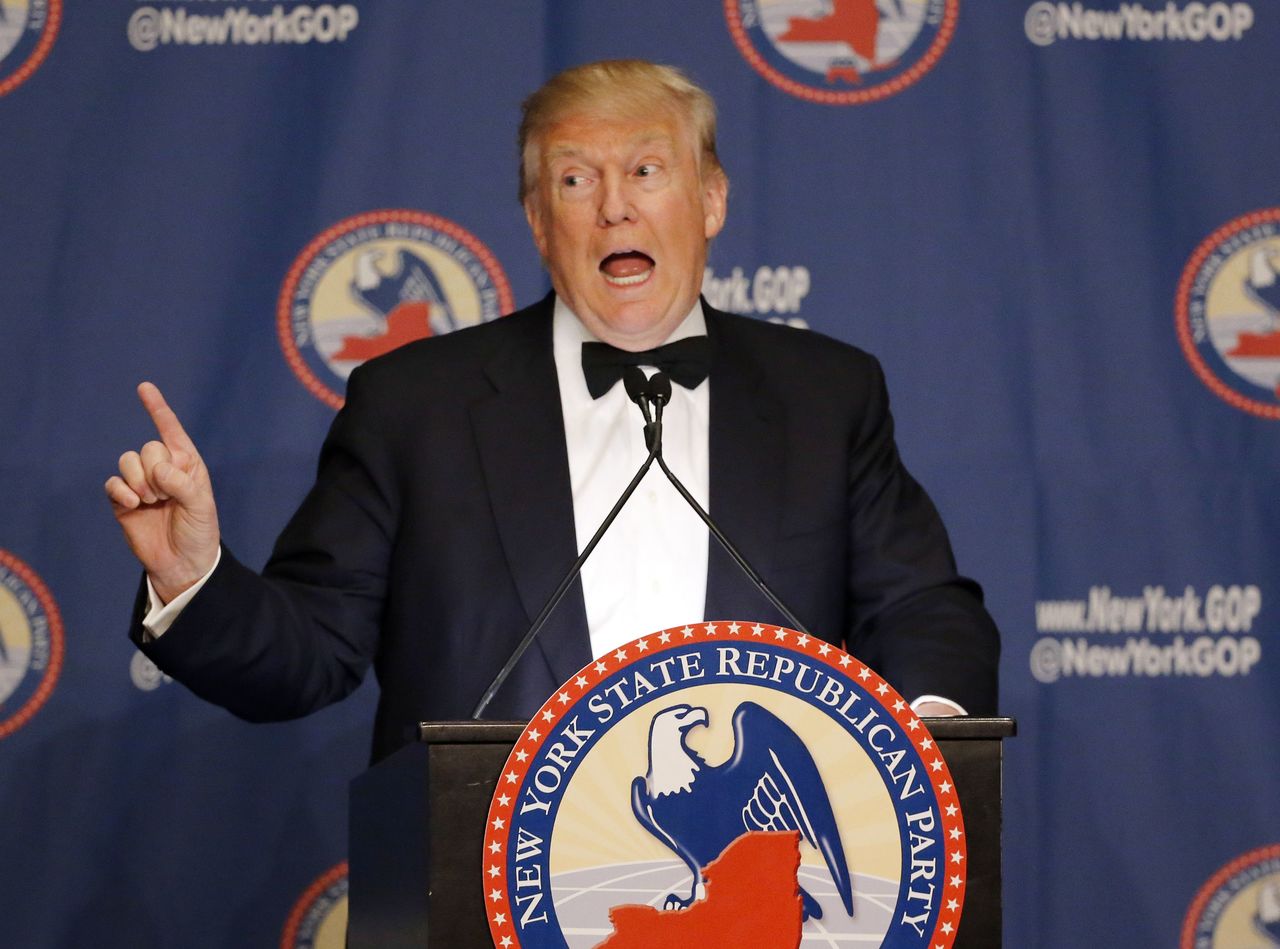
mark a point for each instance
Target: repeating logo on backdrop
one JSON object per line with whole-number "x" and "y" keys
{"x": 27, "y": 31}
{"x": 1228, "y": 312}
{"x": 319, "y": 918}
{"x": 718, "y": 779}
{"x": 1239, "y": 906}
{"x": 379, "y": 280}
{"x": 31, "y": 643}
{"x": 842, "y": 52}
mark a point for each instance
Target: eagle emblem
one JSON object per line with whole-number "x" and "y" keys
{"x": 769, "y": 783}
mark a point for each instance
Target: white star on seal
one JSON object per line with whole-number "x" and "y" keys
{"x": 664, "y": 637}
{"x": 733, "y": 628}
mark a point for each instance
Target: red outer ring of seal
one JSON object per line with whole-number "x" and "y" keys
{"x": 57, "y": 644}
{"x": 289, "y": 939}
{"x": 1244, "y": 861}
{"x": 284, "y": 306}
{"x": 37, "y": 55}
{"x": 946, "y": 29}
{"x": 1182, "y": 314}
{"x": 497, "y": 899}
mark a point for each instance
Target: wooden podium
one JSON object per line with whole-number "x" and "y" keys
{"x": 418, "y": 823}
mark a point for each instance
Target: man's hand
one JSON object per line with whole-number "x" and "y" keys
{"x": 164, "y": 503}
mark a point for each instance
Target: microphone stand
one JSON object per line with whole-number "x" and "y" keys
{"x": 655, "y": 390}
{"x": 635, "y": 389}
{"x": 659, "y": 392}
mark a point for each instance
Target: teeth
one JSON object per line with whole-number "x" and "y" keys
{"x": 629, "y": 281}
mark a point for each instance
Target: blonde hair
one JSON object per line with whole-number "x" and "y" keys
{"x": 612, "y": 88}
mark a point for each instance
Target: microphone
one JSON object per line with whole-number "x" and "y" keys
{"x": 637, "y": 387}
{"x": 641, "y": 391}
{"x": 638, "y": 391}
{"x": 659, "y": 393}
{"x": 660, "y": 390}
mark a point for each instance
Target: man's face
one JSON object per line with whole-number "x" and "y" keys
{"x": 622, "y": 215}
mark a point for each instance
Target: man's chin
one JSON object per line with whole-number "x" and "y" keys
{"x": 635, "y": 325}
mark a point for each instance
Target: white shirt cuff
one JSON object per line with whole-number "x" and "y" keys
{"x": 160, "y": 616}
{"x": 938, "y": 698}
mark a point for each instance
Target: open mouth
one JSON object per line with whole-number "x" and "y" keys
{"x": 627, "y": 268}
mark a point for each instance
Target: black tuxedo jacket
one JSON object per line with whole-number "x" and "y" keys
{"x": 442, "y": 518}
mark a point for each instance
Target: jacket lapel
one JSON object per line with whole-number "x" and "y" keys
{"x": 747, "y": 463}
{"x": 520, "y": 437}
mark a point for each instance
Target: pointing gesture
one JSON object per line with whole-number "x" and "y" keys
{"x": 164, "y": 503}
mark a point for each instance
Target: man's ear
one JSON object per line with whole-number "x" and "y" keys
{"x": 715, "y": 202}
{"x": 533, "y": 214}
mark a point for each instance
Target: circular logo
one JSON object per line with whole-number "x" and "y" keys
{"x": 377, "y": 281}
{"x": 1239, "y": 906}
{"x": 1228, "y": 312}
{"x": 31, "y": 643}
{"x": 27, "y": 31}
{"x": 740, "y": 780}
{"x": 319, "y": 918}
{"x": 842, "y": 52}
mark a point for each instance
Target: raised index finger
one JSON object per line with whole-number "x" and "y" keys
{"x": 165, "y": 419}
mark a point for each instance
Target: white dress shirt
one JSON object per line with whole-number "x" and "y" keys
{"x": 649, "y": 571}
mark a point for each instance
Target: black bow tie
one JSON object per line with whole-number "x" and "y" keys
{"x": 685, "y": 361}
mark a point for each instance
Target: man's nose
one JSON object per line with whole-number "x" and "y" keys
{"x": 615, "y": 201}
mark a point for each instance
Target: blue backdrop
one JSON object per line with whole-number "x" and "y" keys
{"x": 1054, "y": 223}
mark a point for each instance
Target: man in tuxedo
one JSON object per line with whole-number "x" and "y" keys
{"x": 465, "y": 472}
